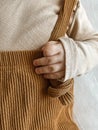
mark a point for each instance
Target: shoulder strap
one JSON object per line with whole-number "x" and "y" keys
{"x": 56, "y": 88}
{"x": 63, "y": 19}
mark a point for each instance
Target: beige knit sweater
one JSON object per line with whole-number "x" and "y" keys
{"x": 28, "y": 25}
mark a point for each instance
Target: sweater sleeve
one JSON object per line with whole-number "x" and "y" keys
{"x": 81, "y": 52}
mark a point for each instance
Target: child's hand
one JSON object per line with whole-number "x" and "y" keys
{"x": 52, "y": 65}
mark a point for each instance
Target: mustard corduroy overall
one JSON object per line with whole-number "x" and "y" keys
{"x": 26, "y": 99}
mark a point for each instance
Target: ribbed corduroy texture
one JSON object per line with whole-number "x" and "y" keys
{"x": 25, "y": 103}
{"x": 65, "y": 90}
{"x": 63, "y": 19}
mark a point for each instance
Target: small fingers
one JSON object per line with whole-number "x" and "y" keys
{"x": 50, "y": 69}
{"x": 48, "y": 60}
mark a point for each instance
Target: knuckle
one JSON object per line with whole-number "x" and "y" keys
{"x": 51, "y": 69}
{"x": 47, "y": 51}
{"x": 48, "y": 60}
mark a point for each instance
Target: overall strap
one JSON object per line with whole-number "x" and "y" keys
{"x": 56, "y": 88}
{"x": 63, "y": 19}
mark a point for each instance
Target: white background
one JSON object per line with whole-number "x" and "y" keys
{"x": 86, "y": 87}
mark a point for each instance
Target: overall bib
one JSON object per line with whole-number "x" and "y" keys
{"x": 26, "y": 99}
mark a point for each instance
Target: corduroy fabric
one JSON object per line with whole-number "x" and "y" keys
{"x": 25, "y": 104}
{"x": 24, "y": 95}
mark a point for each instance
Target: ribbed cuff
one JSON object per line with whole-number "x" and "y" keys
{"x": 69, "y": 58}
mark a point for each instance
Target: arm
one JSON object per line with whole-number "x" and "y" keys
{"x": 78, "y": 52}
{"x": 80, "y": 46}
